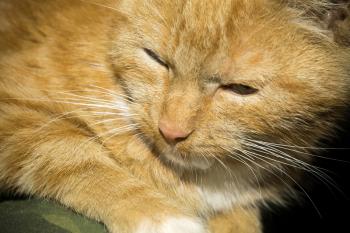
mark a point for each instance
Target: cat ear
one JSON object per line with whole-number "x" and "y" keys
{"x": 331, "y": 16}
{"x": 337, "y": 20}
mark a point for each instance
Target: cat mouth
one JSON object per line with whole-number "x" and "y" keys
{"x": 189, "y": 162}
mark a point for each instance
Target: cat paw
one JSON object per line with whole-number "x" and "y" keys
{"x": 173, "y": 225}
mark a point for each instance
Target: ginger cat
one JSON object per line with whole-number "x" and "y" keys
{"x": 168, "y": 116}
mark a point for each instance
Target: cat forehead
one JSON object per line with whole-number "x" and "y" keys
{"x": 196, "y": 8}
{"x": 204, "y": 25}
{"x": 229, "y": 34}
{"x": 190, "y": 15}
{"x": 200, "y": 25}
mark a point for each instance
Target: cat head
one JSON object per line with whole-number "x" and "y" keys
{"x": 231, "y": 80}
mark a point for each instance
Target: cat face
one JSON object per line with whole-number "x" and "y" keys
{"x": 219, "y": 85}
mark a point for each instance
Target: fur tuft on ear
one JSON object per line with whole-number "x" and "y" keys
{"x": 330, "y": 15}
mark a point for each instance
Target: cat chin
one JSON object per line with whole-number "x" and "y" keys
{"x": 190, "y": 163}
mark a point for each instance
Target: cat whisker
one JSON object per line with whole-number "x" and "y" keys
{"x": 241, "y": 159}
{"x": 295, "y": 163}
{"x": 96, "y": 90}
{"x": 222, "y": 164}
{"x": 273, "y": 152}
{"x": 91, "y": 105}
{"x": 110, "y": 92}
{"x": 101, "y": 5}
{"x": 106, "y": 121}
{"x": 277, "y": 147}
{"x": 258, "y": 165}
{"x": 296, "y": 146}
{"x": 313, "y": 155}
{"x": 226, "y": 169}
{"x": 304, "y": 165}
{"x": 74, "y": 97}
{"x": 274, "y": 166}
{"x": 113, "y": 132}
{"x": 87, "y": 89}
{"x": 121, "y": 111}
{"x": 87, "y": 99}
{"x": 291, "y": 161}
{"x": 118, "y": 131}
{"x": 81, "y": 112}
{"x": 204, "y": 157}
{"x": 63, "y": 116}
{"x": 285, "y": 155}
{"x": 87, "y": 105}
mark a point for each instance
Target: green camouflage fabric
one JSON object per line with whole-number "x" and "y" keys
{"x": 39, "y": 216}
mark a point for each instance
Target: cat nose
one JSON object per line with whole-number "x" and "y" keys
{"x": 172, "y": 133}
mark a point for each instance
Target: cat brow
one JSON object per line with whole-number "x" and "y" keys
{"x": 214, "y": 79}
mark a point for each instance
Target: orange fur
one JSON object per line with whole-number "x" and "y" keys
{"x": 80, "y": 102}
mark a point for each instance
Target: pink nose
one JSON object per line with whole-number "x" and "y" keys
{"x": 171, "y": 132}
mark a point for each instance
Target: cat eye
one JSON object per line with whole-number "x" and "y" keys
{"x": 240, "y": 89}
{"x": 156, "y": 57}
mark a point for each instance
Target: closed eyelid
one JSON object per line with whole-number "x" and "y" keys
{"x": 155, "y": 57}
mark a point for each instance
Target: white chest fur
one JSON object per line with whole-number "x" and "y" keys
{"x": 220, "y": 192}
{"x": 218, "y": 200}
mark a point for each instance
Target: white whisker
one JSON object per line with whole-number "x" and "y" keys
{"x": 100, "y": 5}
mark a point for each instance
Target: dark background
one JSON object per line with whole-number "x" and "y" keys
{"x": 334, "y": 206}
